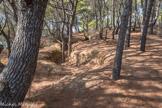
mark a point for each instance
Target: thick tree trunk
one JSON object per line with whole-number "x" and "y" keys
{"x": 19, "y": 72}
{"x": 145, "y": 27}
{"x": 120, "y": 44}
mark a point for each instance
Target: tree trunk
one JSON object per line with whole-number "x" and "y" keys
{"x": 87, "y": 21}
{"x": 113, "y": 33}
{"x": 120, "y": 44}
{"x": 145, "y": 27}
{"x": 19, "y": 72}
{"x": 67, "y": 29}
{"x": 101, "y": 13}
{"x": 128, "y": 33}
{"x": 72, "y": 19}
{"x": 118, "y": 27}
{"x": 70, "y": 38}
{"x": 107, "y": 23}
{"x": 135, "y": 19}
{"x": 67, "y": 25}
{"x": 139, "y": 24}
{"x": 118, "y": 19}
{"x": 96, "y": 16}
{"x": 151, "y": 28}
{"x": 63, "y": 48}
{"x": 154, "y": 16}
{"x": 144, "y": 10}
{"x": 62, "y": 31}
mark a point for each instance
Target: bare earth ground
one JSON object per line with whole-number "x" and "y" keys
{"x": 89, "y": 85}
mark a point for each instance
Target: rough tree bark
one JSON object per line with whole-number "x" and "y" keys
{"x": 120, "y": 44}
{"x": 145, "y": 26}
{"x": 19, "y": 72}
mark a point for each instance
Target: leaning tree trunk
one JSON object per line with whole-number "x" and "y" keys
{"x": 145, "y": 27}
{"x": 19, "y": 72}
{"x": 120, "y": 44}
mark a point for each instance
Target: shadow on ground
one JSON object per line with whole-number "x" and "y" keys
{"x": 140, "y": 84}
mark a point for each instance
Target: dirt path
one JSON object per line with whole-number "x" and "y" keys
{"x": 85, "y": 87}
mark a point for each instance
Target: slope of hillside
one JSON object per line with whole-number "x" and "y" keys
{"x": 84, "y": 83}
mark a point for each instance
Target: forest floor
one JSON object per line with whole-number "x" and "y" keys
{"x": 84, "y": 80}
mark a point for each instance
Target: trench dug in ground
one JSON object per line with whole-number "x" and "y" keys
{"x": 84, "y": 80}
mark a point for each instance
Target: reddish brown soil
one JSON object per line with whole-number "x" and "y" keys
{"x": 140, "y": 85}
